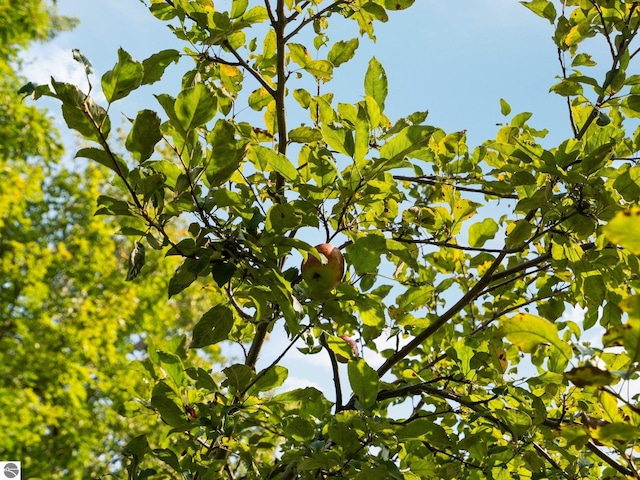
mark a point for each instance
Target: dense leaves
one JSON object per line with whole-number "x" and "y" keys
{"x": 70, "y": 325}
{"x": 484, "y": 373}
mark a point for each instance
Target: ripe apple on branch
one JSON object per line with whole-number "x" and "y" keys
{"x": 323, "y": 274}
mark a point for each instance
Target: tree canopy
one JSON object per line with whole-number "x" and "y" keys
{"x": 461, "y": 260}
{"x": 70, "y": 325}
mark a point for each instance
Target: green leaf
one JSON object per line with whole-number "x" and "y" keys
{"x": 271, "y": 378}
{"x": 195, "y": 106}
{"x": 364, "y": 382}
{"x": 342, "y": 51}
{"x": 137, "y": 447}
{"x": 299, "y": 54}
{"x": 169, "y": 457}
{"x": 238, "y": 7}
{"x": 213, "y": 327}
{"x": 589, "y": 375}
{"x": 115, "y": 163}
{"x": 81, "y": 113}
{"x": 505, "y": 108}
{"x": 616, "y": 432}
{"x": 518, "y": 232}
{"x": 340, "y": 347}
{"x": 517, "y": 421}
{"x": 156, "y": 64}
{"x": 255, "y": 15}
{"x": 624, "y": 230}
{"x": 298, "y": 428}
{"x": 628, "y": 183}
{"x": 113, "y": 206}
{"x": 173, "y": 367}
{"x": 407, "y": 141}
{"x": 338, "y": 138}
{"x": 267, "y": 157}
{"x": 364, "y": 254}
{"x": 480, "y": 232}
{"x": 186, "y": 274}
{"x": 543, "y": 8}
{"x": 226, "y": 153}
{"x": 528, "y": 331}
{"x": 168, "y": 410}
{"x": 238, "y": 377}
{"x": 126, "y": 76}
{"x": 259, "y": 99}
{"x": 222, "y": 272}
{"x": 627, "y": 334}
{"x": 567, "y": 88}
{"x": 320, "y": 69}
{"x": 305, "y": 135}
{"x": 596, "y": 159}
{"x": 136, "y": 260}
{"x": 281, "y": 218}
{"x": 144, "y": 135}
{"x": 398, "y": 4}
{"x": 375, "y": 82}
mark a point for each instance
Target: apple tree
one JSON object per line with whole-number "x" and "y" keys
{"x": 484, "y": 375}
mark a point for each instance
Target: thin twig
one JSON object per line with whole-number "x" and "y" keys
{"x": 254, "y": 73}
{"x": 433, "y": 180}
{"x": 276, "y": 361}
{"x": 310, "y": 19}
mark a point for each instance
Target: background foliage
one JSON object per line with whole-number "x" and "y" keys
{"x": 70, "y": 326}
{"x": 462, "y": 260}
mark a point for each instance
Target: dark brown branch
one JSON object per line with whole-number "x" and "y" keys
{"x": 254, "y": 73}
{"x": 298, "y": 11}
{"x": 453, "y": 457}
{"x": 336, "y": 372}
{"x": 439, "y": 243}
{"x": 258, "y": 340}
{"x": 310, "y": 19}
{"x": 262, "y": 373}
{"x": 281, "y": 88}
{"x": 607, "y": 34}
{"x": 572, "y": 121}
{"x": 272, "y": 18}
{"x": 616, "y": 58}
{"x": 611, "y": 461}
{"x": 543, "y": 453}
{"x": 467, "y": 299}
{"x": 433, "y": 180}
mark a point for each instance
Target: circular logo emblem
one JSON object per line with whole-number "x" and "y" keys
{"x": 11, "y": 470}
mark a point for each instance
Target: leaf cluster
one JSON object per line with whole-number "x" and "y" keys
{"x": 462, "y": 261}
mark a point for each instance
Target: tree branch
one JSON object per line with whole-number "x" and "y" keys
{"x": 467, "y": 299}
{"x": 310, "y": 19}
{"x": 262, "y": 373}
{"x": 610, "y": 461}
{"x": 434, "y": 180}
{"x": 336, "y": 373}
{"x": 281, "y": 88}
{"x": 254, "y": 73}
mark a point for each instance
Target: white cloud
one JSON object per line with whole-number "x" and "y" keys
{"x": 44, "y": 61}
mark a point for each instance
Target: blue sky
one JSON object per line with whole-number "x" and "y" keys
{"x": 455, "y": 58}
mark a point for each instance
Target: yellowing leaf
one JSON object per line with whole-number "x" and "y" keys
{"x": 589, "y": 375}
{"x": 480, "y": 232}
{"x": 518, "y": 233}
{"x": 528, "y": 331}
{"x": 624, "y": 230}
